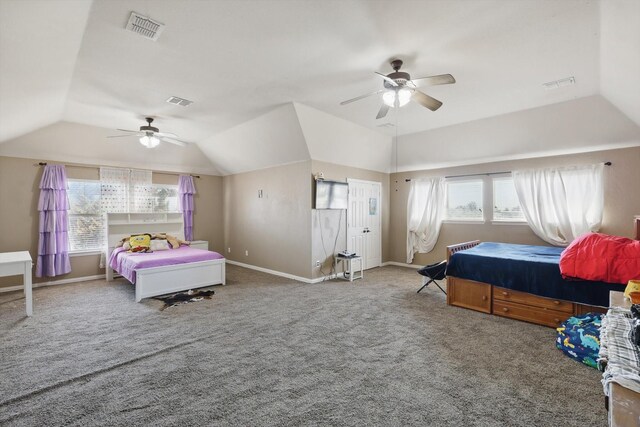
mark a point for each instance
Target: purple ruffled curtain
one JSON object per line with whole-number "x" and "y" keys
{"x": 53, "y": 245}
{"x": 186, "y": 190}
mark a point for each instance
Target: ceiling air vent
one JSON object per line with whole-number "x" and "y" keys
{"x": 175, "y": 100}
{"x": 557, "y": 84}
{"x": 144, "y": 26}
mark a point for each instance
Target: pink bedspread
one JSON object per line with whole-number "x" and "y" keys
{"x": 127, "y": 263}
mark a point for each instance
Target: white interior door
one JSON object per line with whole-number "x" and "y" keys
{"x": 364, "y": 235}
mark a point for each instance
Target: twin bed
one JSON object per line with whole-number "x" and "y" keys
{"x": 160, "y": 272}
{"x": 521, "y": 282}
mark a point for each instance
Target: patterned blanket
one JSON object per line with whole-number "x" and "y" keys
{"x": 619, "y": 358}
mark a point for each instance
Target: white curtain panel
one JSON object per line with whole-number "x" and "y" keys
{"x": 114, "y": 190}
{"x": 140, "y": 187}
{"x": 125, "y": 190}
{"x": 425, "y": 210}
{"x": 563, "y": 203}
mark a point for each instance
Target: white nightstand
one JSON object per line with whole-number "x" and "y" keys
{"x": 200, "y": 244}
{"x": 348, "y": 272}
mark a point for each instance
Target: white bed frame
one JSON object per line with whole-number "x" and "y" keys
{"x": 167, "y": 279}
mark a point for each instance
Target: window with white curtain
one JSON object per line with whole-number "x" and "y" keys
{"x": 464, "y": 200}
{"x": 506, "y": 206}
{"x": 126, "y": 190}
{"x": 118, "y": 190}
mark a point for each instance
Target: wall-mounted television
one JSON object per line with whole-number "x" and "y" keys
{"x": 331, "y": 195}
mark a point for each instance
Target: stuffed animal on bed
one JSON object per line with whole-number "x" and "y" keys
{"x": 174, "y": 242}
{"x": 140, "y": 243}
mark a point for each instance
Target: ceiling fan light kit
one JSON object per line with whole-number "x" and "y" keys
{"x": 399, "y": 89}
{"x": 150, "y": 136}
{"x": 149, "y": 140}
{"x": 396, "y": 97}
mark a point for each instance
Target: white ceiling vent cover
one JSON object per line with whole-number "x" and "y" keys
{"x": 144, "y": 26}
{"x": 176, "y": 100}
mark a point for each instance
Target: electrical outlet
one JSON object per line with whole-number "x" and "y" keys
{"x": 228, "y": 250}
{"x": 246, "y": 253}
{"x": 318, "y": 263}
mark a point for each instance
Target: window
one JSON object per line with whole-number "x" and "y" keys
{"x": 86, "y": 224}
{"x": 464, "y": 200}
{"x": 164, "y": 198}
{"x": 506, "y": 206}
{"x": 89, "y": 200}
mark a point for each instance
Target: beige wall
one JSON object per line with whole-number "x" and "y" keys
{"x": 329, "y": 222}
{"x": 622, "y": 202}
{"x": 281, "y": 231}
{"x": 274, "y": 229}
{"x": 19, "y": 180}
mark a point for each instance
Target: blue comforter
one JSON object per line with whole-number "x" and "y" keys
{"x": 532, "y": 269}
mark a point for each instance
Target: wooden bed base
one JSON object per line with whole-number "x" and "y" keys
{"x": 507, "y": 302}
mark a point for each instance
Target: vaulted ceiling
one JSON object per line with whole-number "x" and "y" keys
{"x": 73, "y": 61}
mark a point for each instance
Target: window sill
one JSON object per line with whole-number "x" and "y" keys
{"x": 464, "y": 221}
{"x": 506, "y": 222}
{"x": 85, "y": 253}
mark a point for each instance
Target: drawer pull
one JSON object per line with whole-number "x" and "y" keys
{"x": 505, "y": 293}
{"x": 556, "y": 302}
{"x": 556, "y": 320}
{"x": 505, "y": 309}
{"x": 484, "y": 297}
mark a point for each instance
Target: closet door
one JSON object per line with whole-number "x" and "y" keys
{"x": 364, "y": 235}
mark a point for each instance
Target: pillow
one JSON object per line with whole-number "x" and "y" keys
{"x": 140, "y": 243}
{"x": 159, "y": 245}
{"x": 126, "y": 245}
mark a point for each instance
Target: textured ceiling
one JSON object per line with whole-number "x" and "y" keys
{"x": 239, "y": 60}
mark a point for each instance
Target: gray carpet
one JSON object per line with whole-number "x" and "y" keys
{"x": 270, "y": 351}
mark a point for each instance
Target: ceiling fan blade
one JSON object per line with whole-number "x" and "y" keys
{"x": 425, "y": 100}
{"x": 383, "y": 111}
{"x": 119, "y": 136}
{"x": 442, "y": 79}
{"x": 167, "y": 134}
{"x": 357, "y": 98}
{"x": 127, "y": 130}
{"x": 387, "y": 79}
{"x": 173, "y": 141}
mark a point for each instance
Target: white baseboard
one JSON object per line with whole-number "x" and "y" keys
{"x": 274, "y": 272}
{"x": 401, "y": 264}
{"x": 53, "y": 283}
{"x": 282, "y": 274}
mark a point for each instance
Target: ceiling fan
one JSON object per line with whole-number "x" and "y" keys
{"x": 150, "y": 136}
{"x": 399, "y": 89}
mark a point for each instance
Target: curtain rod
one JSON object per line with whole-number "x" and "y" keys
{"x": 486, "y": 173}
{"x": 98, "y": 167}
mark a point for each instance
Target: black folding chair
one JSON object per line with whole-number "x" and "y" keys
{"x": 432, "y": 273}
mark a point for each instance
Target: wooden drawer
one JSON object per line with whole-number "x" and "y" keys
{"x": 469, "y": 294}
{"x": 504, "y": 294}
{"x": 540, "y": 316}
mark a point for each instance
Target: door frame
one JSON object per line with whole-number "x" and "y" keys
{"x": 379, "y": 184}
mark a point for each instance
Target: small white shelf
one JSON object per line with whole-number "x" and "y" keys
{"x": 119, "y": 225}
{"x": 144, "y": 222}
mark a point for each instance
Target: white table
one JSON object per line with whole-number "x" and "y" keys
{"x": 15, "y": 263}
{"x": 347, "y": 267}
